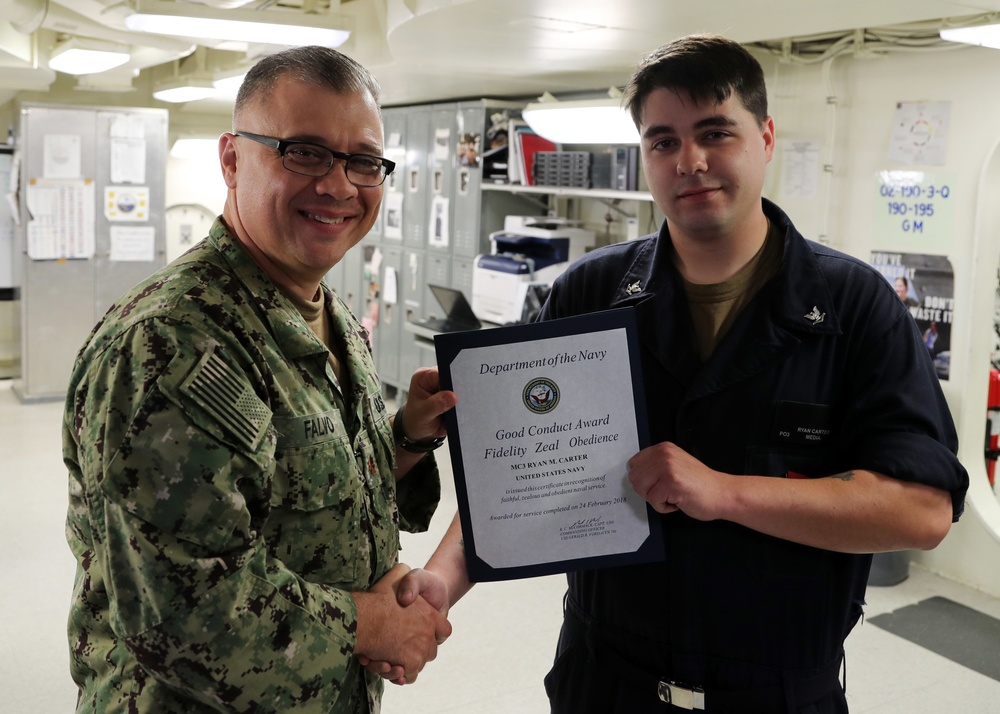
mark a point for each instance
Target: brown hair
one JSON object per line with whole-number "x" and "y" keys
{"x": 706, "y": 68}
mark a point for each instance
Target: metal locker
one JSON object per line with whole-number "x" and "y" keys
{"x": 441, "y": 184}
{"x": 461, "y": 275}
{"x": 390, "y": 316}
{"x": 468, "y": 178}
{"x": 413, "y": 283}
{"x": 389, "y": 227}
{"x": 351, "y": 279}
{"x": 117, "y": 276}
{"x": 370, "y": 255}
{"x": 69, "y": 151}
{"x": 438, "y": 272}
{"x": 346, "y": 278}
{"x": 416, "y": 189}
{"x": 335, "y": 277}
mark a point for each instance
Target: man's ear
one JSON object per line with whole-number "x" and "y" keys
{"x": 227, "y": 158}
{"x": 769, "y": 140}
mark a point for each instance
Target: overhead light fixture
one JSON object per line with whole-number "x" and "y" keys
{"x": 184, "y": 89}
{"x": 82, "y": 55}
{"x": 229, "y": 86}
{"x": 982, "y": 35}
{"x": 202, "y": 21}
{"x": 186, "y": 85}
{"x": 190, "y": 147}
{"x": 581, "y": 121}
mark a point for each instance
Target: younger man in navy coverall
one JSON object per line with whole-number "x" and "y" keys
{"x": 796, "y": 420}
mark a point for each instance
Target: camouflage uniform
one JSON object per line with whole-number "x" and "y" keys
{"x": 225, "y": 497}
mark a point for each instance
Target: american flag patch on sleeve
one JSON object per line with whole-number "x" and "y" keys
{"x": 228, "y": 398}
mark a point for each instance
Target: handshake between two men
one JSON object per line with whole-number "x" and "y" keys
{"x": 409, "y": 610}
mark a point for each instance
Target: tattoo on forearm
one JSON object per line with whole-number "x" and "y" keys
{"x": 845, "y": 476}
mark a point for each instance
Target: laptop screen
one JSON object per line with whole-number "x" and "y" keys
{"x": 456, "y": 308}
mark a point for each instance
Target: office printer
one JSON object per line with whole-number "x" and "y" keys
{"x": 530, "y": 250}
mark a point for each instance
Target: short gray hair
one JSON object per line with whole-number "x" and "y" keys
{"x": 312, "y": 64}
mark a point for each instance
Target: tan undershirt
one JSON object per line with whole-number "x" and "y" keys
{"x": 315, "y": 314}
{"x": 714, "y": 308}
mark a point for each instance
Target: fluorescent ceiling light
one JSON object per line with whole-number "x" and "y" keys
{"x": 984, "y": 35}
{"x": 585, "y": 121}
{"x": 229, "y": 86}
{"x": 194, "y": 148}
{"x": 190, "y": 89}
{"x": 201, "y": 21}
{"x": 79, "y": 55}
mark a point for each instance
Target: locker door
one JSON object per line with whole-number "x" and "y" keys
{"x": 390, "y": 317}
{"x": 416, "y": 200}
{"x": 57, "y": 296}
{"x": 438, "y": 272}
{"x": 351, "y": 279}
{"x": 441, "y": 167}
{"x": 461, "y": 276}
{"x": 117, "y": 276}
{"x": 369, "y": 292}
{"x": 335, "y": 278}
{"x": 468, "y": 179}
{"x": 412, "y": 286}
{"x": 411, "y": 280}
{"x": 389, "y": 227}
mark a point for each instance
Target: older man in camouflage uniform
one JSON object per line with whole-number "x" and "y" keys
{"x": 233, "y": 497}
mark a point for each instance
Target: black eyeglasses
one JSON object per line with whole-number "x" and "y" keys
{"x": 301, "y": 157}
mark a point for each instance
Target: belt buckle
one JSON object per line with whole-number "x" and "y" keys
{"x": 681, "y": 697}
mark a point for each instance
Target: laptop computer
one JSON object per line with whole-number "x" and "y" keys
{"x": 457, "y": 310}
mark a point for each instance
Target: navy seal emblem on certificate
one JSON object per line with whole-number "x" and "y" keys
{"x": 541, "y": 395}
{"x": 548, "y": 416}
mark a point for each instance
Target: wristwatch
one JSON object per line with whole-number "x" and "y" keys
{"x": 403, "y": 442}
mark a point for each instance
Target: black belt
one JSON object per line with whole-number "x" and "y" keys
{"x": 802, "y": 687}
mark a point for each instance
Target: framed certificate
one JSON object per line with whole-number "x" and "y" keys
{"x": 548, "y": 416}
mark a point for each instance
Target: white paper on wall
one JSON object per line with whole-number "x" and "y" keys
{"x": 61, "y": 156}
{"x": 128, "y": 160}
{"x": 920, "y": 133}
{"x": 133, "y": 243}
{"x": 800, "y": 168}
{"x": 61, "y": 219}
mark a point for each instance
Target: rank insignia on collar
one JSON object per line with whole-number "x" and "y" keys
{"x": 815, "y": 316}
{"x": 632, "y": 288}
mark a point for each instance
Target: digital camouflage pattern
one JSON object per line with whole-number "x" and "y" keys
{"x": 225, "y": 498}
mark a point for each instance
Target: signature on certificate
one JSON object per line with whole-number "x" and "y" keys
{"x": 584, "y": 523}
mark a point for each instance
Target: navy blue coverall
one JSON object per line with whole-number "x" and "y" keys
{"x": 824, "y": 372}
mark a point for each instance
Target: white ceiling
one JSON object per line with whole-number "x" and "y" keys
{"x": 430, "y": 50}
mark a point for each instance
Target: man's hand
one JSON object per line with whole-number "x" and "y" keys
{"x": 854, "y": 511}
{"x": 420, "y": 583}
{"x": 426, "y": 405}
{"x": 414, "y": 585}
{"x": 407, "y": 637}
{"x": 670, "y": 479}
